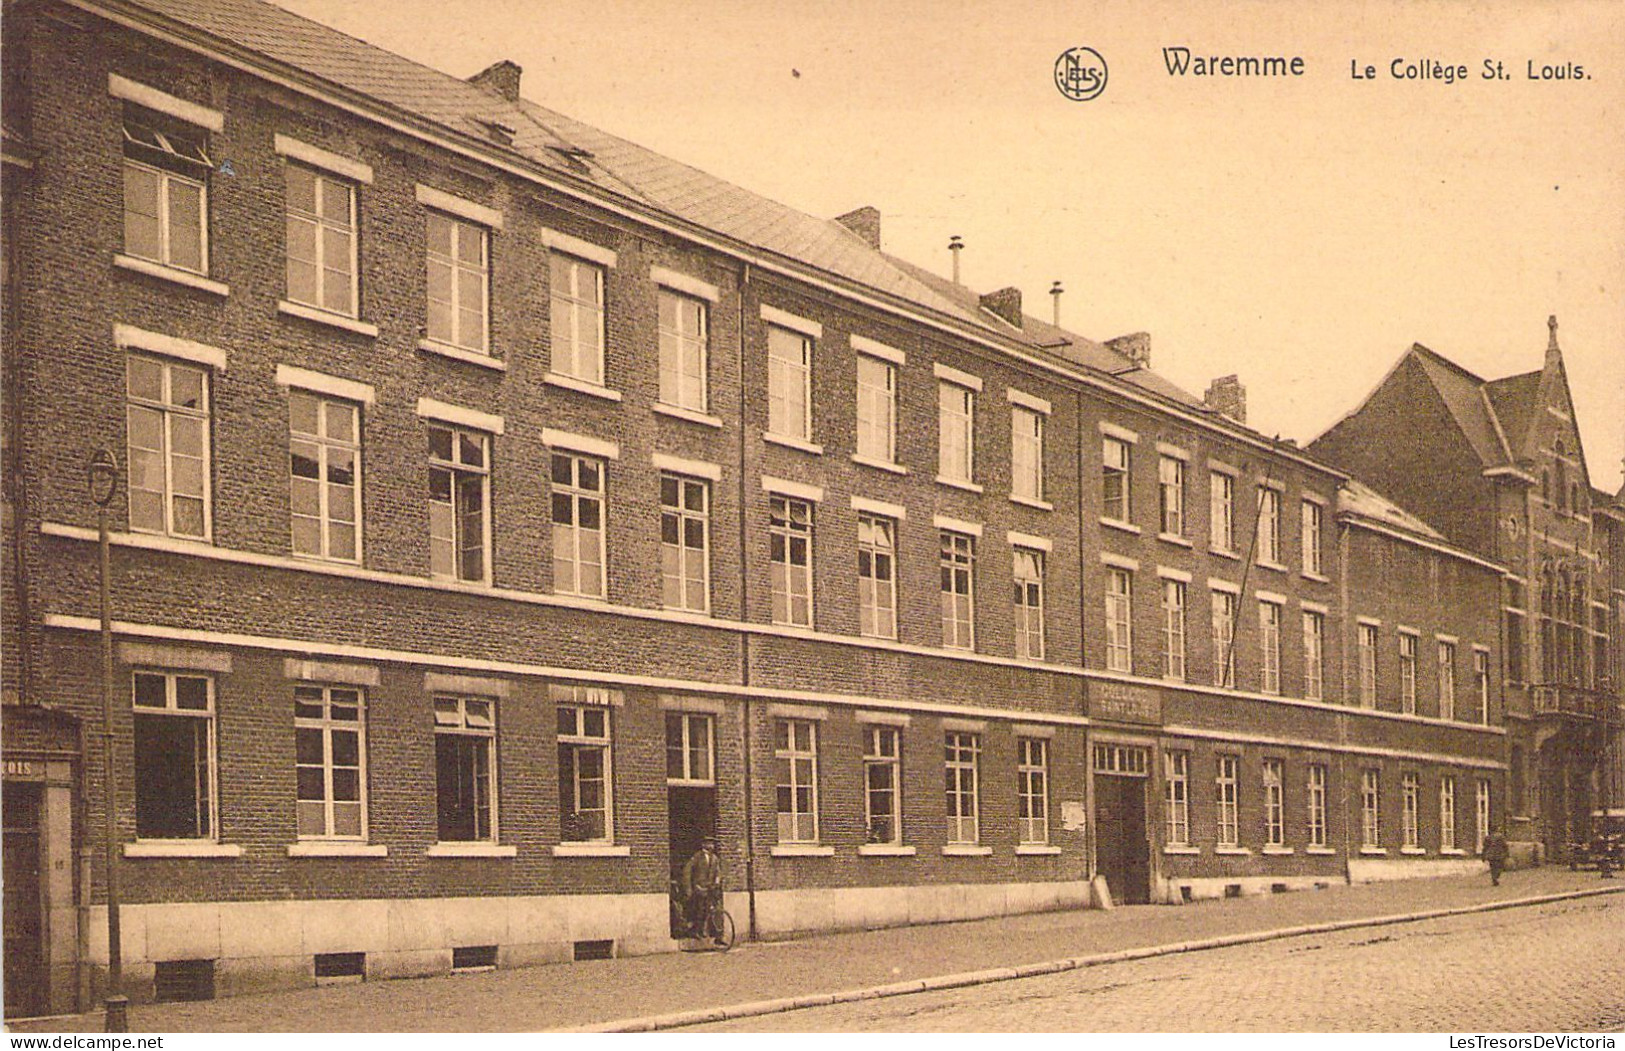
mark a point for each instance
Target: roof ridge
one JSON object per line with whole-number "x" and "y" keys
{"x": 1466, "y": 372}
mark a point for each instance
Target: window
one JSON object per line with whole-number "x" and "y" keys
{"x": 1312, "y": 514}
{"x": 956, "y": 432}
{"x": 1124, "y": 759}
{"x": 685, "y": 529}
{"x": 1224, "y": 638}
{"x": 1481, "y": 815}
{"x": 1221, "y": 512}
{"x": 576, "y": 305}
{"x": 459, "y": 503}
{"x": 1481, "y": 684}
{"x": 166, "y": 171}
{"x": 795, "y": 758}
{"x": 1026, "y": 453}
{"x": 324, "y": 448}
{"x": 1173, "y": 630}
{"x": 1114, "y": 479}
{"x": 174, "y": 756}
{"x": 1447, "y": 680}
{"x": 877, "y": 409}
{"x": 1269, "y": 644}
{"x": 1119, "y": 620}
{"x": 1407, "y": 673}
{"x": 690, "y": 749}
{"x": 958, "y": 590}
{"x": 790, "y": 535}
{"x": 459, "y": 278}
{"x": 1171, "y": 485}
{"x": 1269, "y": 527}
{"x": 465, "y": 737}
{"x": 1229, "y": 830}
{"x": 1029, "y": 586}
{"x": 1032, "y": 790}
{"x": 1317, "y": 805}
{"x": 883, "y": 784}
{"x": 1274, "y": 804}
{"x": 321, "y": 241}
{"x": 1314, "y": 655}
{"x": 330, "y": 746}
{"x": 1408, "y": 812}
{"x": 684, "y": 343}
{"x": 586, "y": 813}
{"x": 168, "y": 421}
{"x": 961, "y": 755}
{"x": 789, "y": 384}
{"x": 1176, "y": 782}
{"x": 578, "y": 525}
{"x": 877, "y": 576}
{"x": 1370, "y": 817}
{"x": 1514, "y": 645}
{"x": 1447, "y": 813}
{"x": 1368, "y": 665}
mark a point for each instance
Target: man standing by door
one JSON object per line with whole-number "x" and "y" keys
{"x": 702, "y": 884}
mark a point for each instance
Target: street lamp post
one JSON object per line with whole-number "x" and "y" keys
{"x": 103, "y": 481}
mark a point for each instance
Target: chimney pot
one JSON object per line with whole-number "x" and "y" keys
{"x": 1006, "y": 303}
{"x": 1228, "y": 397}
{"x": 955, "y": 246}
{"x": 1055, "y": 291}
{"x": 499, "y": 78}
{"x": 865, "y": 222}
{"x": 1136, "y": 346}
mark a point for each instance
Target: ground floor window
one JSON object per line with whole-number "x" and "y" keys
{"x": 465, "y": 732}
{"x": 1481, "y": 810}
{"x": 1176, "y": 778}
{"x": 882, "y": 784}
{"x": 961, "y": 755}
{"x": 1229, "y": 831}
{"x": 795, "y": 758}
{"x": 1408, "y": 813}
{"x": 1274, "y": 808}
{"x": 330, "y": 746}
{"x": 174, "y": 756}
{"x": 1370, "y": 819}
{"x": 1032, "y": 772}
{"x": 1317, "y": 805}
{"x": 1447, "y": 813}
{"x": 586, "y": 797}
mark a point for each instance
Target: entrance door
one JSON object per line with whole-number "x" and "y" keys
{"x": 24, "y": 971}
{"x": 1122, "y": 853}
{"x": 691, "y": 789}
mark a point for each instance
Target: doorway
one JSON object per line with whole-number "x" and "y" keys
{"x": 691, "y": 791}
{"x": 24, "y": 914}
{"x": 1122, "y": 850}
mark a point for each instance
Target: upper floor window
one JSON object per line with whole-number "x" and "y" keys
{"x": 789, "y": 384}
{"x": 1224, "y": 638}
{"x": 1119, "y": 620}
{"x": 1269, "y": 527}
{"x": 684, "y": 350}
{"x": 1314, "y": 654}
{"x": 578, "y": 525}
{"x": 1367, "y": 646}
{"x": 877, "y": 576}
{"x": 1221, "y": 512}
{"x": 459, "y": 280}
{"x": 174, "y": 756}
{"x": 1114, "y": 479}
{"x": 1026, "y": 453}
{"x": 956, "y": 430}
{"x": 324, "y": 449}
{"x": 1171, "y": 488}
{"x": 576, "y": 317}
{"x": 1312, "y": 516}
{"x": 1029, "y": 582}
{"x": 685, "y": 527}
{"x": 1407, "y": 673}
{"x": 1481, "y": 684}
{"x": 166, "y": 173}
{"x": 1447, "y": 680}
{"x": 877, "y": 409}
{"x": 958, "y": 590}
{"x": 168, "y": 430}
{"x": 331, "y": 745}
{"x": 790, "y": 532}
{"x": 1173, "y": 630}
{"x": 1269, "y": 645}
{"x": 321, "y": 240}
{"x": 459, "y": 503}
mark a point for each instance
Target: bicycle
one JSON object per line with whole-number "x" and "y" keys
{"x": 714, "y": 918}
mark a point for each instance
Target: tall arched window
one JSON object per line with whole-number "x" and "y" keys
{"x": 1562, "y": 493}
{"x": 1580, "y": 667}
{"x": 1548, "y": 650}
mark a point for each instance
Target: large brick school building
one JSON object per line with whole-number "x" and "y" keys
{"x": 503, "y": 507}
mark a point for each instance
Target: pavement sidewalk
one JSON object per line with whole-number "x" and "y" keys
{"x": 598, "y": 993}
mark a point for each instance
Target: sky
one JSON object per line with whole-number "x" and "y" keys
{"x": 1301, "y": 232}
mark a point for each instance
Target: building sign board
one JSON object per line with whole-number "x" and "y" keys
{"x": 1125, "y": 702}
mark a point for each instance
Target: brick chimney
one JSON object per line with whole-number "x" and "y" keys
{"x": 865, "y": 222}
{"x": 1227, "y": 396}
{"x": 1006, "y": 303}
{"x": 1136, "y": 346}
{"x": 499, "y": 78}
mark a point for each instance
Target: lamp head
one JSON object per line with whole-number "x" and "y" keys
{"x": 102, "y": 477}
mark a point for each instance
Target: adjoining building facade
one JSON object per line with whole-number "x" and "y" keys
{"x": 505, "y": 507}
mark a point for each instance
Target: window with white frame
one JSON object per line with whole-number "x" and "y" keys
{"x": 1370, "y": 812}
{"x": 685, "y": 542}
{"x": 1481, "y": 684}
{"x": 1173, "y": 629}
{"x": 795, "y": 760}
{"x": 1447, "y": 813}
{"x": 1274, "y": 803}
{"x": 1224, "y": 638}
{"x": 1311, "y": 530}
{"x": 330, "y": 739}
{"x": 1407, "y": 673}
{"x": 962, "y": 753}
{"x": 324, "y": 451}
{"x": 1176, "y": 771}
{"x": 883, "y": 784}
{"x": 877, "y": 409}
{"x": 790, "y": 535}
{"x": 174, "y": 756}
{"x": 1026, "y": 453}
{"x": 1269, "y": 644}
{"x": 1115, "y": 464}
{"x": 1447, "y": 680}
{"x": 1314, "y": 654}
{"x": 1316, "y": 800}
{"x": 1225, "y": 799}
{"x": 1410, "y": 804}
{"x": 1269, "y": 526}
{"x": 956, "y": 432}
{"x": 168, "y": 430}
{"x": 690, "y": 748}
{"x": 1367, "y": 647}
{"x": 1481, "y": 815}
{"x": 321, "y": 261}
{"x": 1029, "y": 606}
{"x": 578, "y": 525}
{"x": 459, "y": 281}
{"x": 576, "y": 317}
{"x": 166, "y": 191}
{"x": 459, "y": 502}
{"x": 877, "y": 576}
{"x": 586, "y": 796}
{"x": 1119, "y": 620}
{"x": 789, "y": 384}
{"x": 1221, "y": 512}
{"x": 1032, "y": 791}
{"x": 1171, "y": 487}
{"x": 684, "y": 350}
{"x": 958, "y": 562}
{"x": 465, "y": 738}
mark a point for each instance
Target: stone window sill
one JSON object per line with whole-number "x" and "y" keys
{"x": 802, "y": 850}
{"x": 327, "y": 317}
{"x": 171, "y": 273}
{"x": 794, "y": 443}
{"x": 1027, "y": 501}
{"x": 1233, "y": 851}
{"x": 965, "y": 850}
{"x": 1272, "y": 566}
{"x": 472, "y": 850}
{"x": 969, "y": 487}
{"x": 1178, "y": 849}
{"x": 1119, "y": 524}
{"x": 677, "y": 412}
{"x": 1452, "y": 852}
{"x": 580, "y": 386}
{"x": 1321, "y": 851}
{"x": 1173, "y": 538}
{"x": 1278, "y": 851}
{"x": 472, "y": 357}
{"x": 1374, "y": 851}
{"x": 592, "y": 850}
{"x": 1036, "y": 848}
{"x": 886, "y": 850}
{"x": 1223, "y": 553}
{"x": 1413, "y": 851}
{"x": 1316, "y": 577}
{"x": 879, "y": 465}
{"x": 181, "y": 849}
{"x": 336, "y": 848}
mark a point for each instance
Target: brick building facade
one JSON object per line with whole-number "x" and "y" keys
{"x": 504, "y": 507}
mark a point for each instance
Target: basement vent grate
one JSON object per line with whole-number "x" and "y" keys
{"x": 1279, "y": 888}
{"x": 1232, "y": 890}
{"x": 341, "y": 966}
{"x": 474, "y": 958}
{"x": 179, "y": 981}
{"x": 596, "y": 950}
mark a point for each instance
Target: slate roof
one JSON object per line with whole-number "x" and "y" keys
{"x": 1465, "y": 397}
{"x": 1357, "y": 498}
{"x": 1514, "y": 401}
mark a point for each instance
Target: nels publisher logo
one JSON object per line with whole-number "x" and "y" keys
{"x": 1080, "y": 73}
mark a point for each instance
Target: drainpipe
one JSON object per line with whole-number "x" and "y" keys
{"x": 1090, "y": 839}
{"x": 1350, "y": 635}
{"x": 744, "y": 614}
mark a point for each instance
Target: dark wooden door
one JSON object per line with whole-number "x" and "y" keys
{"x": 24, "y": 971}
{"x": 1122, "y": 853}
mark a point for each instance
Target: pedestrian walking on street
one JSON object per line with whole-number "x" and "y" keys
{"x": 1495, "y": 852}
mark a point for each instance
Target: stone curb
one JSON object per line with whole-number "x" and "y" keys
{"x": 706, "y": 1015}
